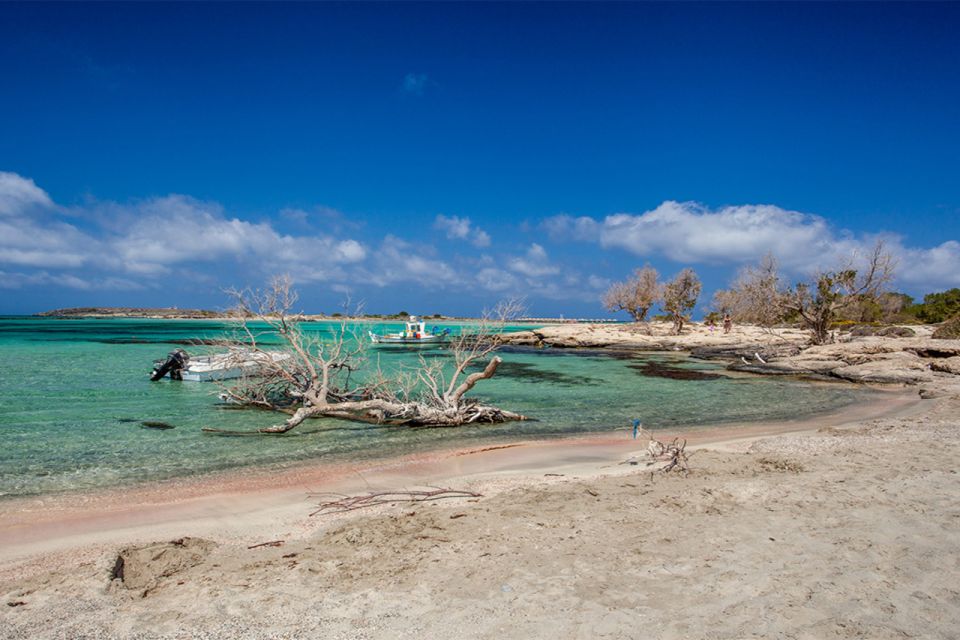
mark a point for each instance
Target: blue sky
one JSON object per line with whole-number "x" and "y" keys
{"x": 439, "y": 157}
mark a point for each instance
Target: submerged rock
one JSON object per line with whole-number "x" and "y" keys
{"x": 155, "y": 424}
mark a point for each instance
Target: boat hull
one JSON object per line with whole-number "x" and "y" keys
{"x": 406, "y": 341}
{"x": 226, "y": 366}
{"x": 213, "y": 375}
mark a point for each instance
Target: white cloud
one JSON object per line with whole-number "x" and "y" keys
{"x": 598, "y": 282}
{"x": 19, "y": 195}
{"x": 534, "y": 264}
{"x": 493, "y": 279}
{"x": 178, "y": 229}
{"x": 457, "y": 228}
{"x": 68, "y": 280}
{"x": 690, "y": 233}
{"x": 148, "y": 238}
{"x": 562, "y": 227}
{"x": 940, "y": 265}
{"x": 399, "y": 261}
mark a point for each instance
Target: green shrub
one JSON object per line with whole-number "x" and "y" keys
{"x": 937, "y": 307}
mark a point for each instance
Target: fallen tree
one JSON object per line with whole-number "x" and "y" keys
{"x": 315, "y": 377}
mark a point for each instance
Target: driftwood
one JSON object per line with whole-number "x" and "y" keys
{"x": 673, "y": 454}
{"x": 351, "y": 503}
{"x": 331, "y": 378}
{"x": 272, "y": 543}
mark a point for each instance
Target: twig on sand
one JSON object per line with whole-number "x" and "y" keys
{"x": 673, "y": 454}
{"x": 351, "y": 503}
{"x": 272, "y": 543}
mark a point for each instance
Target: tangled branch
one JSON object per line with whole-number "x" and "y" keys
{"x": 351, "y": 503}
{"x": 673, "y": 454}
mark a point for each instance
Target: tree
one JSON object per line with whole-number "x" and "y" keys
{"x": 755, "y": 295}
{"x": 310, "y": 376}
{"x": 680, "y": 297}
{"x": 635, "y": 295}
{"x": 938, "y": 307}
{"x": 819, "y": 301}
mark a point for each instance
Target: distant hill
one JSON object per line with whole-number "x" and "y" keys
{"x": 130, "y": 312}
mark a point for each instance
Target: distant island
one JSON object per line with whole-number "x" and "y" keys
{"x": 173, "y": 313}
{"x": 131, "y": 312}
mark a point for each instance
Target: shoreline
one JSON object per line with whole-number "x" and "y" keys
{"x": 226, "y": 505}
{"x": 841, "y": 526}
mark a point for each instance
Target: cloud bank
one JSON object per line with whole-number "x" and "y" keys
{"x": 690, "y": 233}
{"x": 177, "y": 241}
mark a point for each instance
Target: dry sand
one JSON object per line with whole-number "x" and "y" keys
{"x": 850, "y": 531}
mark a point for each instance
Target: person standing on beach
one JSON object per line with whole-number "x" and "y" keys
{"x": 727, "y": 323}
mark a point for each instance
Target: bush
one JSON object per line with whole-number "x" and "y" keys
{"x": 949, "y": 330}
{"x": 937, "y": 307}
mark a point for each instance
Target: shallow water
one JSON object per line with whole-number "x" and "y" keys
{"x": 74, "y": 395}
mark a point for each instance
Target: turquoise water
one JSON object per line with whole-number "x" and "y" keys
{"x": 73, "y": 394}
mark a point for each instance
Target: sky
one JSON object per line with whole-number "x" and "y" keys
{"x": 440, "y": 157}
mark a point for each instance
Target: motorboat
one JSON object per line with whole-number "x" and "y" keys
{"x": 414, "y": 332}
{"x": 236, "y": 363}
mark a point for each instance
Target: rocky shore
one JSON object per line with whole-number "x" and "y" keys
{"x": 896, "y": 358}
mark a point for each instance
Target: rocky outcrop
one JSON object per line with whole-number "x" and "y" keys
{"x": 871, "y": 360}
{"x": 892, "y": 358}
{"x": 949, "y": 330}
{"x": 947, "y": 365}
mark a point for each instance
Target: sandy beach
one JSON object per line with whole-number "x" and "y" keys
{"x": 840, "y": 526}
{"x": 479, "y": 320}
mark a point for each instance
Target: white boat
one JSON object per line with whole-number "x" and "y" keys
{"x": 415, "y": 332}
{"x": 219, "y": 366}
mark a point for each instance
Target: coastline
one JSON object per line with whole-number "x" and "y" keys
{"x": 227, "y": 504}
{"x": 839, "y": 527}
{"x": 836, "y": 524}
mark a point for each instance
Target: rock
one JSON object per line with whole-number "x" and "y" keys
{"x": 897, "y": 332}
{"x": 893, "y": 368}
{"x": 940, "y": 390}
{"x": 949, "y": 330}
{"x": 883, "y": 332}
{"x": 947, "y": 365}
{"x": 145, "y": 567}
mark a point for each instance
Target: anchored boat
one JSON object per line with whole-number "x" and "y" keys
{"x": 415, "y": 332}
{"x": 179, "y": 365}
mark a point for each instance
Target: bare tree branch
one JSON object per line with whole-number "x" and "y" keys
{"x": 309, "y": 376}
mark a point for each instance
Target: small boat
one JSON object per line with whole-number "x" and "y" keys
{"x": 220, "y": 366}
{"x": 415, "y": 332}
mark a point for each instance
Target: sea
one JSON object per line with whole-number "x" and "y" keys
{"x": 75, "y": 395}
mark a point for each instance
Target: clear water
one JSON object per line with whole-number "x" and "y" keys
{"x": 73, "y": 394}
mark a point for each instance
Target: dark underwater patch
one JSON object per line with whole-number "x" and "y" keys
{"x": 156, "y": 424}
{"x": 656, "y": 369}
{"x": 526, "y": 372}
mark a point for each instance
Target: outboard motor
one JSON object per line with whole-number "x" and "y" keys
{"x": 175, "y": 363}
